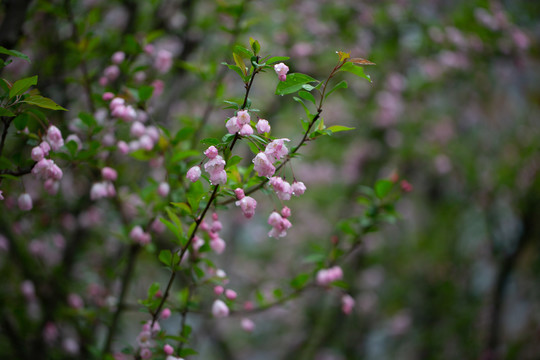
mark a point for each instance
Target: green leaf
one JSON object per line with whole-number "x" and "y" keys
{"x": 187, "y": 352}
{"x": 210, "y": 141}
{"x": 5, "y": 163}
{"x": 153, "y": 290}
{"x": 307, "y": 96}
{"x": 383, "y": 187}
{"x": 43, "y": 102}
{"x": 233, "y": 161}
{"x": 314, "y": 258}
{"x": 255, "y": 46}
{"x": 182, "y": 206}
{"x": 21, "y": 121}
{"x": 357, "y": 70}
{"x": 181, "y": 155}
{"x": 340, "y": 284}
{"x": 300, "y": 280}
{"x": 240, "y": 63}
{"x": 145, "y": 92}
{"x": 171, "y": 227}
{"x": 166, "y": 257}
{"x": 87, "y": 119}
{"x": 183, "y": 134}
{"x": 339, "y": 128}
{"x": 175, "y": 220}
{"x": 6, "y": 112}
{"x": 276, "y": 59}
{"x": 340, "y": 85}
{"x": 22, "y": 85}
{"x": 242, "y": 52}
{"x": 293, "y": 83}
{"x": 14, "y": 53}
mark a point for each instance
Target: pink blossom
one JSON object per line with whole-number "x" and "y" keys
{"x": 298, "y": 188}
{"x": 276, "y": 150}
{"x": 123, "y": 147}
{"x": 347, "y": 304}
{"x": 219, "y": 177}
{"x": 285, "y": 212}
{"x": 109, "y": 173}
{"x": 146, "y": 142}
{"x": 116, "y": 102}
{"x": 1, "y": 195}
{"x": 28, "y": 290}
{"x": 153, "y": 132}
{"x": 243, "y": 117}
{"x": 149, "y": 49}
{"x": 75, "y": 301}
{"x": 51, "y": 186}
{"x": 246, "y": 130}
{"x": 230, "y": 294}
{"x": 45, "y": 147}
{"x": 279, "y": 225}
{"x": 248, "y": 206}
{"x": 25, "y": 202}
{"x": 76, "y": 140}
{"x": 168, "y": 349}
{"x": 118, "y": 57}
{"x": 406, "y": 186}
{"x": 54, "y": 138}
{"x": 137, "y": 129}
{"x": 218, "y": 245}
{"x": 232, "y": 125}
{"x": 102, "y": 190}
{"x": 163, "y": 189}
{"x": 197, "y": 243}
{"x": 218, "y": 290}
{"x": 163, "y": 61}
{"x": 157, "y": 226}
{"x": 37, "y": 154}
{"x": 50, "y": 332}
{"x": 247, "y": 325}
{"x": 220, "y": 309}
{"x": 215, "y": 168}
{"x": 216, "y": 226}
{"x": 158, "y": 87}
{"x": 194, "y": 173}
{"x": 327, "y": 276}
{"x": 263, "y": 166}
{"x": 165, "y": 314}
{"x": 211, "y": 152}
{"x": 281, "y": 187}
{"x": 263, "y": 126}
{"x": 281, "y": 70}
{"x": 111, "y": 72}
{"x": 146, "y": 353}
{"x": 139, "y": 236}
{"x": 239, "y": 193}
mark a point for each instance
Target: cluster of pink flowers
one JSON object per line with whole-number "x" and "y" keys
{"x": 216, "y": 242}
{"x": 347, "y": 304}
{"x": 145, "y": 339}
{"x": 264, "y": 161}
{"x": 46, "y": 169}
{"x": 104, "y": 188}
{"x": 327, "y": 276}
{"x": 279, "y": 223}
{"x": 119, "y": 109}
{"x": 246, "y": 203}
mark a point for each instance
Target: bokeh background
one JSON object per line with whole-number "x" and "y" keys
{"x": 453, "y": 107}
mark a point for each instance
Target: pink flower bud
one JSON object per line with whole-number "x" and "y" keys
{"x": 164, "y": 61}
{"x": 263, "y": 126}
{"x": 163, "y": 189}
{"x": 146, "y": 353}
{"x": 239, "y": 193}
{"x": 157, "y": 226}
{"x": 45, "y": 147}
{"x": 54, "y": 138}
{"x": 243, "y": 117}
{"x": 263, "y": 166}
{"x": 137, "y": 129}
{"x": 298, "y": 188}
{"x": 1, "y": 195}
{"x": 285, "y": 212}
{"x": 139, "y": 236}
{"x": 247, "y": 325}
{"x": 218, "y": 290}
{"x": 194, "y": 173}
{"x": 347, "y": 304}
{"x": 168, "y": 349}
{"x": 75, "y": 301}
{"x": 406, "y": 186}
{"x": 111, "y": 72}
{"x": 51, "y": 186}
{"x": 146, "y": 142}
{"x": 118, "y": 57}
{"x": 281, "y": 70}
{"x": 211, "y": 152}
{"x": 107, "y": 96}
{"x": 109, "y": 173}
{"x": 218, "y": 245}
{"x": 220, "y": 309}
{"x": 232, "y": 125}
{"x": 25, "y": 202}
{"x": 37, "y": 154}
{"x": 166, "y": 313}
{"x": 123, "y": 147}
{"x": 149, "y": 49}
{"x": 246, "y": 130}
{"x": 216, "y": 226}
{"x": 230, "y": 294}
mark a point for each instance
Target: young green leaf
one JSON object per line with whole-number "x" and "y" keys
{"x": 340, "y": 85}
{"x": 357, "y": 70}
{"x": 43, "y": 102}
{"x": 14, "y": 53}
{"x": 383, "y": 187}
{"x": 22, "y": 85}
{"x": 293, "y": 83}
{"x": 338, "y": 128}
